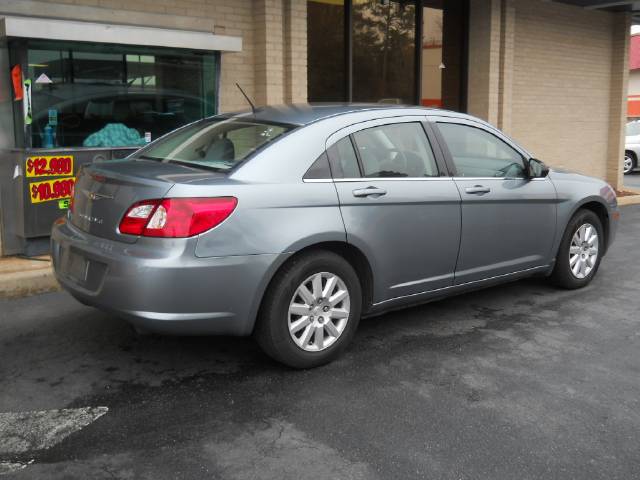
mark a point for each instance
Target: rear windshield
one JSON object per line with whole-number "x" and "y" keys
{"x": 219, "y": 143}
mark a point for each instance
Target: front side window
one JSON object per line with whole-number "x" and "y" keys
{"x": 99, "y": 95}
{"x": 218, "y": 144}
{"x": 396, "y": 150}
{"x": 478, "y": 153}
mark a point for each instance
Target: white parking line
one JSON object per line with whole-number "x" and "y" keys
{"x": 23, "y": 432}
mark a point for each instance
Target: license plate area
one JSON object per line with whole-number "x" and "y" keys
{"x": 75, "y": 265}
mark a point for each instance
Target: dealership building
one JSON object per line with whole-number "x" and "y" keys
{"x": 92, "y": 80}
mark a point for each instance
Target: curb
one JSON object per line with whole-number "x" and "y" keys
{"x": 26, "y": 283}
{"x": 629, "y": 200}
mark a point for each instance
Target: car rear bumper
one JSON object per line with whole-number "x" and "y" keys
{"x": 160, "y": 285}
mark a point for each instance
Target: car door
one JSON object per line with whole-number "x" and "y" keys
{"x": 399, "y": 206}
{"x": 508, "y": 219}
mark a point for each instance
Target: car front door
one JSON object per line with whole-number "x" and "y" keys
{"x": 398, "y": 204}
{"x": 508, "y": 219}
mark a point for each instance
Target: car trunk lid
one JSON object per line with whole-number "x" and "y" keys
{"x": 103, "y": 192}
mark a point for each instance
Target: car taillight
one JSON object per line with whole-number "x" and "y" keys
{"x": 176, "y": 217}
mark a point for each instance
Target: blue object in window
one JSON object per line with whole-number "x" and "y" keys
{"x": 47, "y": 137}
{"x": 114, "y": 135}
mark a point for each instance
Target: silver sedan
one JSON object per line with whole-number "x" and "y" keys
{"x": 291, "y": 223}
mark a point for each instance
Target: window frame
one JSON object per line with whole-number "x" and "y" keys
{"x": 453, "y": 172}
{"x": 349, "y": 131}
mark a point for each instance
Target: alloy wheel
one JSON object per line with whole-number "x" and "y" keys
{"x": 583, "y": 251}
{"x": 628, "y": 164}
{"x": 319, "y": 312}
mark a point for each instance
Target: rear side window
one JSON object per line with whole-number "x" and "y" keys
{"x": 395, "y": 150}
{"x": 319, "y": 169}
{"x": 344, "y": 163}
{"x": 478, "y": 153}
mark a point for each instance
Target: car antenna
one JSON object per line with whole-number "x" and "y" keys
{"x": 253, "y": 107}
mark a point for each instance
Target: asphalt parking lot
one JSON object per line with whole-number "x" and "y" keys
{"x": 632, "y": 180}
{"x": 519, "y": 381}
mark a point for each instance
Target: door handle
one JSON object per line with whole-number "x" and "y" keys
{"x": 477, "y": 190}
{"x": 369, "y": 192}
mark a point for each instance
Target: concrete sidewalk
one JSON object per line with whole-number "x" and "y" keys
{"x": 20, "y": 277}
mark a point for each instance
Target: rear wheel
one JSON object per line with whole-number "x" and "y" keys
{"x": 580, "y": 251}
{"x": 310, "y": 311}
{"x": 630, "y": 162}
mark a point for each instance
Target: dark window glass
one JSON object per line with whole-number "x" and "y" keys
{"x": 325, "y": 51}
{"x": 217, "y": 143}
{"x": 97, "y": 95}
{"x": 384, "y": 45}
{"x": 396, "y": 150}
{"x": 319, "y": 169}
{"x": 344, "y": 163}
{"x": 478, "y": 153}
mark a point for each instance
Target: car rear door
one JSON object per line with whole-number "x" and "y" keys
{"x": 508, "y": 219}
{"x": 398, "y": 204}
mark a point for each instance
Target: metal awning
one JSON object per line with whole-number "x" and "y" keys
{"x": 71, "y": 30}
{"x": 612, "y": 6}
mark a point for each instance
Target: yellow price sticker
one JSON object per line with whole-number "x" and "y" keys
{"x": 49, "y": 166}
{"x": 51, "y": 190}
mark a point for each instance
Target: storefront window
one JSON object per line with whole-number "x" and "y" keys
{"x": 384, "y": 45}
{"x": 86, "y": 95}
{"x": 326, "y": 50}
{"x": 388, "y": 51}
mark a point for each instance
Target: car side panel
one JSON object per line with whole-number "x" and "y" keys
{"x": 270, "y": 218}
{"x": 575, "y": 191}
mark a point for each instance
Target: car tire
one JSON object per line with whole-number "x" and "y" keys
{"x": 630, "y": 162}
{"x": 576, "y": 250}
{"x": 294, "y": 339}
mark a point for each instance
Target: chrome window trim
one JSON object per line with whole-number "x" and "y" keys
{"x": 374, "y": 179}
{"x": 500, "y": 178}
{"x": 416, "y": 179}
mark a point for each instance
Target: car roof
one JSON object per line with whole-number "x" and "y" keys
{"x": 305, "y": 113}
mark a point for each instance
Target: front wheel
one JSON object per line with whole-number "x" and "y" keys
{"x": 311, "y": 310}
{"x": 580, "y": 251}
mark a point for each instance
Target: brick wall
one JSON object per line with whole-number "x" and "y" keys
{"x": 562, "y": 85}
{"x": 554, "y": 77}
{"x": 271, "y": 66}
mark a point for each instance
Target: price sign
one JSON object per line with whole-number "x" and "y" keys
{"x": 51, "y": 190}
{"x": 49, "y": 166}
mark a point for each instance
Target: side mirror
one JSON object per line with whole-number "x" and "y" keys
{"x": 536, "y": 168}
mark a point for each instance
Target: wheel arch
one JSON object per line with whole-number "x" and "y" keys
{"x": 633, "y": 154}
{"x": 353, "y": 255}
{"x": 601, "y": 210}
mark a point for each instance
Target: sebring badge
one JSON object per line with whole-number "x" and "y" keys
{"x": 90, "y": 219}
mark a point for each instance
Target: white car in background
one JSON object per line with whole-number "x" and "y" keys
{"x": 631, "y": 146}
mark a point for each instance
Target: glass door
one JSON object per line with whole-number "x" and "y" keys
{"x": 443, "y": 54}
{"x": 384, "y": 45}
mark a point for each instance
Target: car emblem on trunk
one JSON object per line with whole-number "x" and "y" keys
{"x": 96, "y": 196}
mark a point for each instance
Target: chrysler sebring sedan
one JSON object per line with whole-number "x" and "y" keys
{"x": 291, "y": 223}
